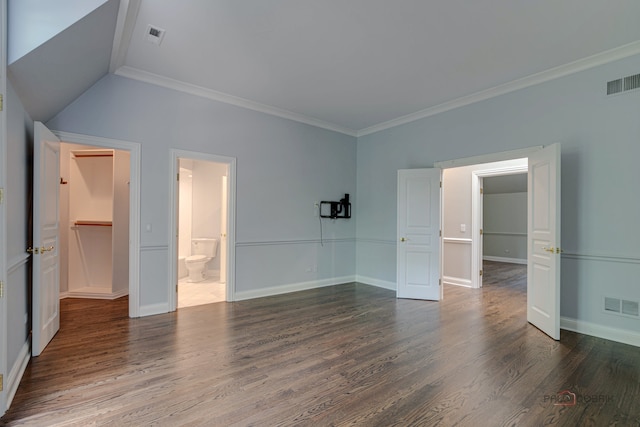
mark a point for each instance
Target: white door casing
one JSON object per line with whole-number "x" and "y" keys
{"x": 45, "y": 262}
{"x": 543, "y": 241}
{"x": 418, "y": 233}
{"x": 223, "y": 230}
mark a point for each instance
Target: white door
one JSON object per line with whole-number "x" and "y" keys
{"x": 223, "y": 231}
{"x": 418, "y": 253}
{"x": 46, "y": 263}
{"x": 543, "y": 241}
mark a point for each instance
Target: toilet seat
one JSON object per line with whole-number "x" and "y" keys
{"x": 195, "y": 258}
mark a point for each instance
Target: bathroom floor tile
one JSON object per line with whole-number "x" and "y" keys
{"x": 205, "y": 292}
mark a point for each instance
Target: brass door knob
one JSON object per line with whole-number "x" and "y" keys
{"x": 46, "y": 249}
{"x": 402, "y": 239}
{"x": 33, "y": 250}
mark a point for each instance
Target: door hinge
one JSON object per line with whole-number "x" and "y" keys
{"x": 1, "y": 289}
{"x": 440, "y": 233}
{"x": 481, "y": 231}
{"x": 1, "y": 382}
{"x": 1, "y": 195}
{"x": 1, "y": 102}
{"x": 480, "y": 272}
{"x": 481, "y": 190}
{"x": 440, "y": 184}
{"x": 439, "y": 282}
{"x": 178, "y": 176}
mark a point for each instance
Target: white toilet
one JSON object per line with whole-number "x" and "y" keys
{"x": 202, "y": 251}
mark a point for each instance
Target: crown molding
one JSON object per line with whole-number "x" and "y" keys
{"x": 144, "y": 76}
{"x": 534, "y": 79}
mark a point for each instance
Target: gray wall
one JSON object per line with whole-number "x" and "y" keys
{"x": 600, "y": 151}
{"x": 505, "y": 227}
{"x": 18, "y": 203}
{"x": 282, "y": 168}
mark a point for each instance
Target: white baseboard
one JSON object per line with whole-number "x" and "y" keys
{"x": 376, "y": 282}
{"x": 17, "y": 371}
{"x": 293, "y": 287}
{"x": 89, "y": 293}
{"x": 457, "y": 281}
{"x": 152, "y": 309}
{"x": 504, "y": 259}
{"x": 619, "y": 335}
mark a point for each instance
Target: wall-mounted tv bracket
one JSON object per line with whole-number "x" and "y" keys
{"x": 341, "y": 209}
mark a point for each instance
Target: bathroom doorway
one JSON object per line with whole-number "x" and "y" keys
{"x": 201, "y": 245}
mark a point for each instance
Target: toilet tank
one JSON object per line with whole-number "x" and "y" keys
{"x": 204, "y": 246}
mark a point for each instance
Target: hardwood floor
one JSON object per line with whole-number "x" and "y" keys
{"x": 342, "y": 355}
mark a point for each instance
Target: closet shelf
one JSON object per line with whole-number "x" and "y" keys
{"x": 94, "y": 223}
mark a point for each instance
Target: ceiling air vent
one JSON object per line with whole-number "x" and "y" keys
{"x": 623, "y": 85}
{"x": 154, "y": 34}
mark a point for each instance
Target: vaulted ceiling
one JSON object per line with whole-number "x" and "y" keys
{"x": 354, "y": 66}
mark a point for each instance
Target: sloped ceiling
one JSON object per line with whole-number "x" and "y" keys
{"x": 354, "y": 66}
{"x": 54, "y": 74}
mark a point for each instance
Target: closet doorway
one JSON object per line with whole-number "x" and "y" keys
{"x": 94, "y": 219}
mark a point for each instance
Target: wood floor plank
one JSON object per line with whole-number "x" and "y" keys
{"x": 342, "y": 355}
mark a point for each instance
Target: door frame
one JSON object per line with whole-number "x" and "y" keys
{"x": 4, "y": 393}
{"x": 134, "y": 205}
{"x": 476, "y": 213}
{"x": 177, "y": 154}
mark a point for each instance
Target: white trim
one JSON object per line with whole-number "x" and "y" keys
{"x": 476, "y": 207}
{"x": 392, "y": 286}
{"x": 503, "y": 233}
{"x": 462, "y": 240}
{"x": 127, "y": 14}
{"x": 89, "y": 294}
{"x": 488, "y": 158}
{"x": 614, "y": 334}
{"x": 457, "y": 281}
{"x": 134, "y": 205}
{"x": 17, "y": 371}
{"x": 602, "y": 258}
{"x": 293, "y": 287}
{"x": 504, "y": 259}
{"x": 155, "y": 79}
{"x": 153, "y": 309}
{"x": 152, "y": 248}
{"x": 376, "y": 241}
{"x": 512, "y": 86}
{"x": 17, "y": 262}
{"x": 4, "y": 316}
{"x": 175, "y": 155}
{"x": 295, "y": 242}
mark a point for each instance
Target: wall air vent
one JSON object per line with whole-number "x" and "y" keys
{"x": 630, "y": 308}
{"x": 623, "y": 85}
{"x": 612, "y": 305}
{"x": 622, "y": 307}
{"x": 614, "y": 86}
{"x": 632, "y": 82}
{"x": 154, "y": 34}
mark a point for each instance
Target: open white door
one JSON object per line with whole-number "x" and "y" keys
{"x": 543, "y": 241}
{"x": 46, "y": 262}
{"x": 418, "y": 253}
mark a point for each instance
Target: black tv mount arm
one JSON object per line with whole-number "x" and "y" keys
{"x": 341, "y": 209}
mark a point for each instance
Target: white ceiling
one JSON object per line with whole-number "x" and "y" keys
{"x": 354, "y": 66}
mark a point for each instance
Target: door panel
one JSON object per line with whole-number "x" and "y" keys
{"x": 418, "y": 250}
{"x": 543, "y": 248}
{"x": 46, "y": 263}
